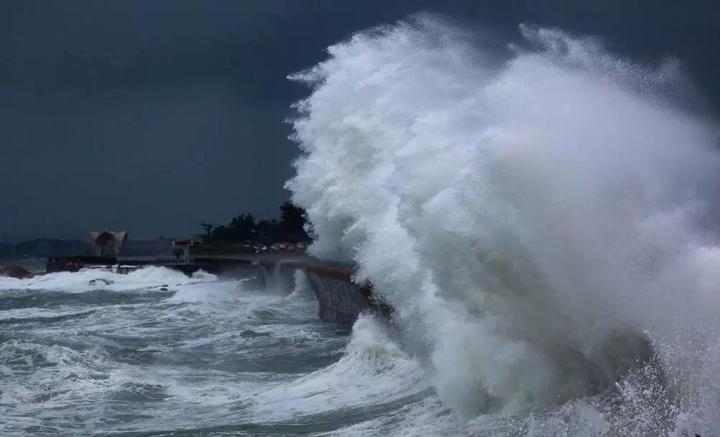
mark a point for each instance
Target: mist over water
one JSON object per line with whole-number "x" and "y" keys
{"x": 544, "y": 224}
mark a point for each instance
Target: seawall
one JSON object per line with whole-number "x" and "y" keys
{"x": 340, "y": 298}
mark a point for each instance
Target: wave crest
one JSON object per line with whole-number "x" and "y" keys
{"x": 522, "y": 215}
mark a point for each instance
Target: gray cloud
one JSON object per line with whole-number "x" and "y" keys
{"x": 153, "y": 116}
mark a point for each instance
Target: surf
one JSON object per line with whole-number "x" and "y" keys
{"x": 543, "y": 222}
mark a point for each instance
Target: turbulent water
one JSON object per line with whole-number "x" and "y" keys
{"x": 544, "y": 223}
{"x": 543, "y": 217}
{"x": 155, "y": 352}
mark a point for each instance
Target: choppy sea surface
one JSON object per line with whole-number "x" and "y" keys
{"x": 543, "y": 224}
{"x": 155, "y": 352}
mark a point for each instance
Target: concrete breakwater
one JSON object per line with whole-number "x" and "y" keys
{"x": 340, "y": 298}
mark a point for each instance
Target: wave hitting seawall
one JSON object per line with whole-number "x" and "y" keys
{"x": 544, "y": 222}
{"x": 155, "y": 352}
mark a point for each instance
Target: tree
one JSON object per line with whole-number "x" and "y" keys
{"x": 292, "y": 219}
{"x": 207, "y": 228}
{"x": 268, "y": 231}
{"x": 245, "y": 228}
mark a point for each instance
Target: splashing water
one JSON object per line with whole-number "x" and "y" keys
{"x": 544, "y": 225}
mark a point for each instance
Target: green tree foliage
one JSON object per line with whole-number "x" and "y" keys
{"x": 245, "y": 228}
{"x": 292, "y": 221}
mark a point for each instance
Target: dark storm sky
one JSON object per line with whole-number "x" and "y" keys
{"x": 151, "y": 116}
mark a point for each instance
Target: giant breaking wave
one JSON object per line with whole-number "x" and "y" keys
{"x": 545, "y": 224}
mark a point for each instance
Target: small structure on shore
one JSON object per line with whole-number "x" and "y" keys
{"x": 182, "y": 247}
{"x": 100, "y": 239}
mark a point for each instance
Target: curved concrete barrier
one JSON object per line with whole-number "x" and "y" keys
{"x": 340, "y": 298}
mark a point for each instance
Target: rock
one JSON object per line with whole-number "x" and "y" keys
{"x": 16, "y": 272}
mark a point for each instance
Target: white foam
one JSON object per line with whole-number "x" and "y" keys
{"x": 424, "y": 417}
{"x": 520, "y": 214}
{"x": 372, "y": 370}
{"x": 104, "y": 279}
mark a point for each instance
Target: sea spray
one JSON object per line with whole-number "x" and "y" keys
{"x": 543, "y": 224}
{"x": 372, "y": 371}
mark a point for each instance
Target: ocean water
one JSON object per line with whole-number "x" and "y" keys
{"x": 154, "y": 352}
{"x": 542, "y": 216}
